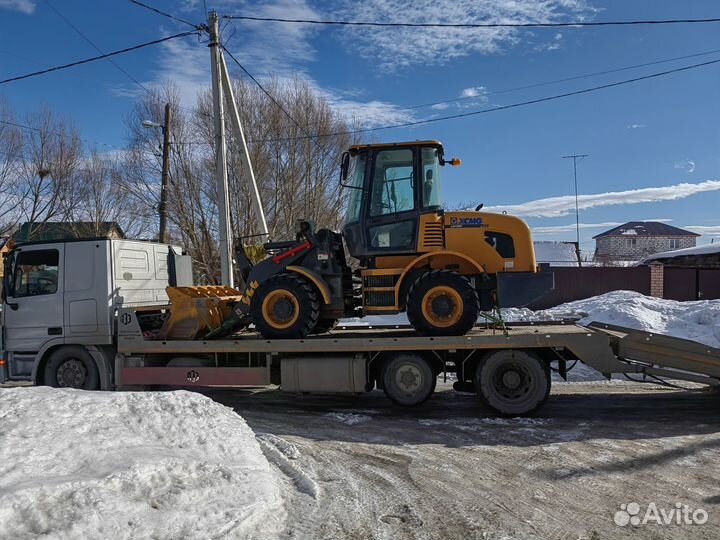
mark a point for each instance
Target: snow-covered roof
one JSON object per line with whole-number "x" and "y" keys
{"x": 707, "y": 249}
{"x": 556, "y": 253}
{"x": 646, "y": 228}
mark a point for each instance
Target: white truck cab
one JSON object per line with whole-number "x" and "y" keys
{"x": 60, "y": 300}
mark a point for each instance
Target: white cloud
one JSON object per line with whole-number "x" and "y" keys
{"x": 23, "y": 6}
{"x": 473, "y": 91}
{"x": 636, "y": 126}
{"x": 703, "y": 229}
{"x": 405, "y": 47}
{"x": 265, "y": 49}
{"x": 565, "y": 205}
{"x": 571, "y": 227}
{"x": 686, "y": 165}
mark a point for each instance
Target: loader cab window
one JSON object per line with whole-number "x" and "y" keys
{"x": 356, "y": 178}
{"x": 431, "y": 193}
{"x": 393, "y": 183}
{"x": 36, "y": 273}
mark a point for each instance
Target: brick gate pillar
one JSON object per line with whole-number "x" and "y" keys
{"x": 657, "y": 279}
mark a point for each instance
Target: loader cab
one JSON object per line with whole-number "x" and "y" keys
{"x": 390, "y": 186}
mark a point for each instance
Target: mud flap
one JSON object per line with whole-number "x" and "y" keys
{"x": 518, "y": 289}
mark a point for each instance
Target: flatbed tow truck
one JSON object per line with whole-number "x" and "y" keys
{"x": 509, "y": 366}
{"x": 85, "y": 314}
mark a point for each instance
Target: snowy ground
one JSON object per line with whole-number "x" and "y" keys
{"x": 354, "y": 467}
{"x": 103, "y": 465}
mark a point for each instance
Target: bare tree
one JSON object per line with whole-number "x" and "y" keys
{"x": 11, "y": 142}
{"x": 295, "y": 161}
{"x": 51, "y": 154}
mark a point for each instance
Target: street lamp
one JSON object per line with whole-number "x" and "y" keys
{"x": 149, "y": 124}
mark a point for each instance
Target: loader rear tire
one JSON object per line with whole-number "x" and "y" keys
{"x": 285, "y": 307}
{"x": 442, "y": 303}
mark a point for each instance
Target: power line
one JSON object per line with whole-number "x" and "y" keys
{"x": 513, "y": 105}
{"x": 82, "y": 35}
{"x": 472, "y": 25}
{"x": 165, "y": 14}
{"x": 546, "y": 83}
{"x": 100, "y": 57}
{"x": 275, "y": 101}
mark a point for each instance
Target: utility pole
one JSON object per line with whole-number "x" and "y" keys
{"x": 221, "y": 176}
{"x": 236, "y": 124}
{"x": 165, "y": 175}
{"x": 575, "y": 158}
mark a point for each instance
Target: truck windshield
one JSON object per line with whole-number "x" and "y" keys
{"x": 356, "y": 178}
{"x": 432, "y": 195}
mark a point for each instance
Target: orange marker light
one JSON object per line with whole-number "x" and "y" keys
{"x": 455, "y": 162}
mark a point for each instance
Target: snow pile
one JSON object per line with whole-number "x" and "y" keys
{"x": 696, "y": 321}
{"x": 79, "y": 464}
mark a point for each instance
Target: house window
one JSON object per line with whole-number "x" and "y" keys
{"x": 674, "y": 243}
{"x": 630, "y": 243}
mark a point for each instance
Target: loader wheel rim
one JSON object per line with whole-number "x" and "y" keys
{"x": 442, "y": 306}
{"x": 280, "y": 309}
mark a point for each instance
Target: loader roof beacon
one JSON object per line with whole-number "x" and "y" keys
{"x": 440, "y": 267}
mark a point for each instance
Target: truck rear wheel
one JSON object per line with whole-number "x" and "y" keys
{"x": 408, "y": 379}
{"x": 72, "y": 367}
{"x": 285, "y": 306}
{"x": 442, "y": 303}
{"x": 513, "y": 382}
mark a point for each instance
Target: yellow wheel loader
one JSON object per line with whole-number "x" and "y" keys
{"x": 441, "y": 267}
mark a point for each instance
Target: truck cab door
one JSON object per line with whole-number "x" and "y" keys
{"x": 33, "y": 309}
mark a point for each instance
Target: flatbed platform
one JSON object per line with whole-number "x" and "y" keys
{"x": 364, "y": 339}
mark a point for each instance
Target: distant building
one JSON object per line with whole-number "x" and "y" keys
{"x": 637, "y": 240}
{"x": 556, "y": 253}
{"x": 67, "y": 230}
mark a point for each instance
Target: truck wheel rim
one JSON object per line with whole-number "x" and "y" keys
{"x": 71, "y": 374}
{"x": 409, "y": 378}
{"x": 442, "y": 306}
{"x": 280, "y": 309}
{"x": 512, "y": 381}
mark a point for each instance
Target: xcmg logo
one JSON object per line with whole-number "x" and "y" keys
{"x": 467, "y": 222}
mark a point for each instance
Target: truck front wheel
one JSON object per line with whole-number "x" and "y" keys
{"x": 72, "y": 367}
{"x": 513, "y": 382}
{"x": 408, "y": 379}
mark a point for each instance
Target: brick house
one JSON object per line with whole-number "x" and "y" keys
{"x": 636, "y": 240}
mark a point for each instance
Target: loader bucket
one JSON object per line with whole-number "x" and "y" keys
{"x": 195, "y": 311}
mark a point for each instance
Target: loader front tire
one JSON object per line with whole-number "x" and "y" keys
{"x": 285, "y": 306}
{"x": 442, "y": 303}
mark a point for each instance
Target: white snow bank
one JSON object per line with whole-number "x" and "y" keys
{"x": 77, "y": 464}
{"x": 697, "y": 321}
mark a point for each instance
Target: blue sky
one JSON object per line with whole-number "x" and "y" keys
{"x": 663, "y": 133}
